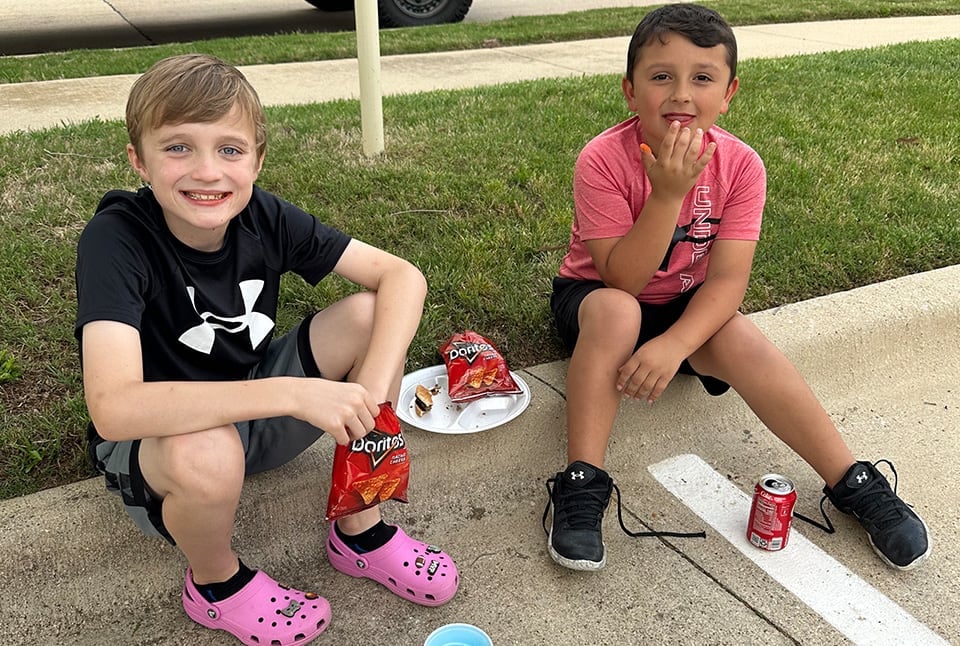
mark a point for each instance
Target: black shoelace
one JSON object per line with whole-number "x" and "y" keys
{"x": 585, "y": 515}
{"x": 874, "y": 505}
{"x": 580, "y": 512}
{"x": 828, "y": 528}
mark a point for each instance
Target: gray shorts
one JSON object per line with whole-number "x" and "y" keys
{"x": 267, "y": 443}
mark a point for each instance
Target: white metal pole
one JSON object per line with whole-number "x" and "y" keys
{"x": 371, "y": 94}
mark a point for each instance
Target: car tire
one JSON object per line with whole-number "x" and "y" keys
{"x": 406, "y": 13}
{"x": 415, "y": 13}
{"x": 332, "y": 5}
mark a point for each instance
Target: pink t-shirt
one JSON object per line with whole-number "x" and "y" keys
{"x": 610, "y": 187}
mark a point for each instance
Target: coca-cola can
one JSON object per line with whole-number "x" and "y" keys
{"x": 771, "y": 512}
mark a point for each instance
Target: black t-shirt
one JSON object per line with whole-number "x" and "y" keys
{"x": 201, "y": 316}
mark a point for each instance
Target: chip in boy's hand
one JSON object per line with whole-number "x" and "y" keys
{"x": 371, "y": 470}
{"x": 475, "y": 368}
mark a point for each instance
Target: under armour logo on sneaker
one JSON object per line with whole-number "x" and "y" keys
{"x": 576, "y": 475}
{"x": 862, "y": 477}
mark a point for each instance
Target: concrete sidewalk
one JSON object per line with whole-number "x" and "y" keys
{"x": 883, "y": 359}
{"x": 45, "y": 104}
{"x": 74, "y": 571}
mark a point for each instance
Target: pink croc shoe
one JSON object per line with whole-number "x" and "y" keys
{"x": 410, "y": 569}
{"x": 262, "y": 613}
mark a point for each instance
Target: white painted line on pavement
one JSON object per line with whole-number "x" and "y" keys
{"x": 851, "y": 605}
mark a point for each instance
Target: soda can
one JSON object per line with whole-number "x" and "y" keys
{"x": 771, "y": 512}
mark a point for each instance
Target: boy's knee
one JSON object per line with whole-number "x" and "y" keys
{"x": 741, "y": 333}
{"x": 355, "y": 314}
{"x": 363, "y": 307}
{"x": 208, "y": 464}
{"x": 739, "y": 341}
{"x": 612, "y": 312}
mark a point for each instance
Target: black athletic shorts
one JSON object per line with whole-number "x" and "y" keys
{"x": 655, "y": 319}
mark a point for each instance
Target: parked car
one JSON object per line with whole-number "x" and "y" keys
{"x": 406, "y": 13}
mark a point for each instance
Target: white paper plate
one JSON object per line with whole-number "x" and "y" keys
{"x": 447, "y": 417}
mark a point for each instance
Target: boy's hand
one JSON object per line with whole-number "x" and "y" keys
{"x": 649, "y": 370}
{"x": 679, "y": 164}
{"x": 344, "y": 410}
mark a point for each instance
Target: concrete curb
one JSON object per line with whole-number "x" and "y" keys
{"x": 75, "y": 571}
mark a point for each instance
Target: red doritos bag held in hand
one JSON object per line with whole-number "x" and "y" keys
{"x": 370, "y": 470}
{"x": 475, "y": 368}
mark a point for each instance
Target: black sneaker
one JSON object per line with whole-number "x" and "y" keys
{"x": 579, "y": 497}
{"x": 896, "y": 532}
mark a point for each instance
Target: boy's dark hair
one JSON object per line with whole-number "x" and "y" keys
{"x": 704, "y": 27}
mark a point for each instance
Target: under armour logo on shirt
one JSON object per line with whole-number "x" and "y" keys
{"x": 202, "y": 336}
{"x": 576, "y": 475}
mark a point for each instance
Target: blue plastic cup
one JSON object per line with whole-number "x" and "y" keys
{"x": 458, "y": 635}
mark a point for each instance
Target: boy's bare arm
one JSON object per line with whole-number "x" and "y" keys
{"x": 123, "y": 406}
{"x": 401, "y": 290}
{"x": 629, "y": 263}
{"x": 650, "y": 369}
{"x": 720, "y": 296}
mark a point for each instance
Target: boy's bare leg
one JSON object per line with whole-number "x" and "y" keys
{"x": 741, "y": 355}
{"x": 609, "y": 321}
{"x": 609, "y": 325}
{"x": 199, "y": 476}
{"x": 350, "y": 322}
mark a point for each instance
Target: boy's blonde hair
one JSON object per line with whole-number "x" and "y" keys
{"x": 191, "y": 88}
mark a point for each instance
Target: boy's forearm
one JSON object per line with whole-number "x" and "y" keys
{"x": 399, "y": 307}
{"x": 637, "y": 256}
{"x": 715, "y": 303}
{"x": 167, "y": 408}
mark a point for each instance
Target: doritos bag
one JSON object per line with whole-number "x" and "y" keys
{"x": 370, "y": 470}
{"x": 475, "y": 368}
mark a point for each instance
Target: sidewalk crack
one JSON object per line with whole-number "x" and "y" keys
{"x": 147, "y": 38}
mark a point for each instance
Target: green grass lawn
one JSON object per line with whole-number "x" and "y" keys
{"x": 597, "y": 23}
{"x": 475, "y": 188}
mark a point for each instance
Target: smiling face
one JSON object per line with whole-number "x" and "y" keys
{"x": 675, "y": 80}
{"x": 202, "y": 174}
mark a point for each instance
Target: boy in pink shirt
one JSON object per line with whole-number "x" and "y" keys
{"x": 668, "y": 212}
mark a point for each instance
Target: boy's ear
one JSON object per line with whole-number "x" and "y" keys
{"x": 137, "y": 164}
{"x": 731, "y": 90}
{"x": 626, "y": 86}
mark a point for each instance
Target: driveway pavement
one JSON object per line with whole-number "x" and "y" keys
{"x": 62, "y": 25}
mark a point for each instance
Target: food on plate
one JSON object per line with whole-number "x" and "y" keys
{"x": 423, "y": 400}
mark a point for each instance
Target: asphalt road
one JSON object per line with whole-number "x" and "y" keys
{"x": 37, "y": 26}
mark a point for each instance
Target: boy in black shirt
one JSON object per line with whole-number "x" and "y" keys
{"x": 177, "y": 289}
